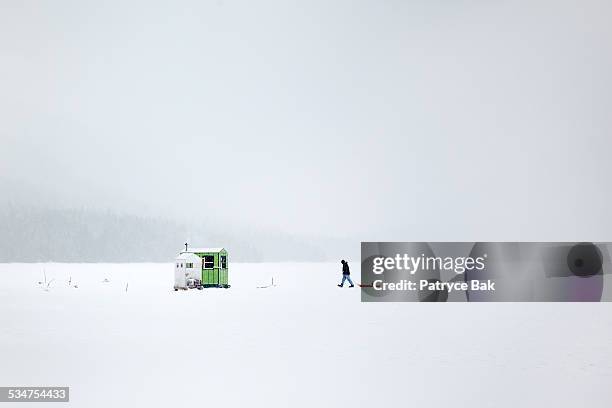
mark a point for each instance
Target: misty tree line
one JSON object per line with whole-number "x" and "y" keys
{"x": 82, "y": 235}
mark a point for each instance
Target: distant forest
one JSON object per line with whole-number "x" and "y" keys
{"x": 82, "y": 235}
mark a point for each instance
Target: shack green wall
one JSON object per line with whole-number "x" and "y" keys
{"x": 217, "y": 275}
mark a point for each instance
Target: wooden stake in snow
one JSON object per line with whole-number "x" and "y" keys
{"x": 268, "y": 286}
{"x": 48, "y": 285}
{"x": 44, "y": 284}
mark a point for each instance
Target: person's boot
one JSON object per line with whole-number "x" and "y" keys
{"x": 352, "y": 286}
{"x": 340, "y": 286}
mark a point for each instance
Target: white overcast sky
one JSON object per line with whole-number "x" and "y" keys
{"x": 382, "y": 120}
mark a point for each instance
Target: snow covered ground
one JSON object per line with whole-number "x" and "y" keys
{"x": 304, "y": 343}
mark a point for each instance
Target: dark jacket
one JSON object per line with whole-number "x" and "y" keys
{"x": 345, "y": 269}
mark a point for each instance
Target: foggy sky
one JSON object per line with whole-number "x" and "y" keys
{"x": 374, "y": 120}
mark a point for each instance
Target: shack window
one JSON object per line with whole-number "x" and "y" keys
{"x": 209, "y": 261}
{"x": 223, "y": 262}
{"x": 189, "y": 265}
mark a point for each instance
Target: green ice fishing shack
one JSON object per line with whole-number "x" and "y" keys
{"x": 201, "y": 268}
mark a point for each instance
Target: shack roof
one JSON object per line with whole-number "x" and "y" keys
{"x": 184, "y": 256}
{"x": 202, "y": 250}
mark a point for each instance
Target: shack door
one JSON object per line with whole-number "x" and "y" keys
{"x": 208, "y": 270}
{"x": 223, "y": 269}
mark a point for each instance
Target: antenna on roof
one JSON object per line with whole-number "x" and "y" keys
{"x": 186, "y": 247}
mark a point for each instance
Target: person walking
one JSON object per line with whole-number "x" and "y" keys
{"x": 346, "y": 274}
